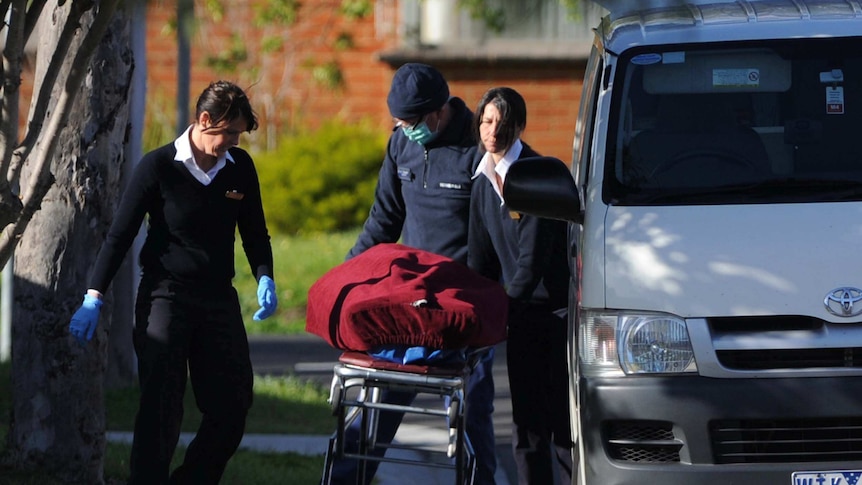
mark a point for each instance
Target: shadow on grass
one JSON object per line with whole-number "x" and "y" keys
{"x": 281, "y": 405}
{"x": 245, "y": 468}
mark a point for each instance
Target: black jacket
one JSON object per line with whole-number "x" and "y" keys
{"x": 526, "y": 253}
{"x": 423, "y": 193}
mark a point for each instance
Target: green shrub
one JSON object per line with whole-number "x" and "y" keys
{"x": 321, "y": 180}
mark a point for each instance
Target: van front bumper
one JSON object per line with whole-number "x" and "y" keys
{"x": 688, "y": 430}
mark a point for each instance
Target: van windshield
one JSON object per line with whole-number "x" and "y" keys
{"x": 730, "y": 123}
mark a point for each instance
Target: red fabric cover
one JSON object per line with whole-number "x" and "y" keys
{"x": 375, "y": 299}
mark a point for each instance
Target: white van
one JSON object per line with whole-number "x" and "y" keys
{"x": 715, "y": 200}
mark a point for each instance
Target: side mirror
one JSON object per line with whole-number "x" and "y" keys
{"x": 543, "y": 187}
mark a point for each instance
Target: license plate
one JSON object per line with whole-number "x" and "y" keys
{"x": 832, "y": 477}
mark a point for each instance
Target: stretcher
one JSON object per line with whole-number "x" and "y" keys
{"x": 357, "y": 383}
{"x": 393, "y": 295}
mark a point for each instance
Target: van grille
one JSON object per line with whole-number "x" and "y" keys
{"x": 790, "y": 358}
{"x": 642, "y": 442}
{"x": 786, "y": 441}
{"x": 823, "y": 352}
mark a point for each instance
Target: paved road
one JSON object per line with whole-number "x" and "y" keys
{"x": 308, "y": 356}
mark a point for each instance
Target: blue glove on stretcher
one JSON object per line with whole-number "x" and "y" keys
{"x": 417, "y": 355}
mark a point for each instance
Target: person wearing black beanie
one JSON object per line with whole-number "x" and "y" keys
{"x": 422, "y": 199}
{"x": 417, "y": 89}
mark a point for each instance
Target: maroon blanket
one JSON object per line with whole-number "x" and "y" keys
{"x": 393, "y": 294}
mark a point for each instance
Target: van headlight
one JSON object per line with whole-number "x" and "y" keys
{"x": 634, "y": 344}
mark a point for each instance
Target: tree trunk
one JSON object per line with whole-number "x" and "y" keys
{"x": 58, "y": 415}
{"x": 122, "y": 370}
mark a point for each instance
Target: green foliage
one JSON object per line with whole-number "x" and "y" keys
{"x": 574, "y": 8}
{"x": 321, "y": 180}
{"x": 281, "y": 12}
{"x": 229, "y": 59}
{"x": 493, "y": 17}
{"x": 328, "y": 75}
{"x": 215, "y": 9}
{"x": 160, "y": 119}
{"x": 271, "y": 43}
{"x": 344, "y": 41}
{"x": 356, "y": 9}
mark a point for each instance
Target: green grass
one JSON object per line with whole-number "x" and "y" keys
{"x": 285, "y": 405}
{"x": 281, "y": 405}
{"x": 245, "y": 468}
{"x": 299, "y": 262}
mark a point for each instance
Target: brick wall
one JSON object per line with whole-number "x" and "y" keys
{"x": 286, "y": 95}
{"x": 281, "y": 84}
{"x": 552, "y": 94}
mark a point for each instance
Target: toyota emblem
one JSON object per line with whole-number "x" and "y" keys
{"x": 841, "y": 301}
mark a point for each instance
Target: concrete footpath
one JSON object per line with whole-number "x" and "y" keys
{"x": 416, "y": 436}
{"x": 309, "y": 357}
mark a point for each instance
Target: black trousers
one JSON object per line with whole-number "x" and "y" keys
{"x": 189, "y": 332}
{"x": 538, "y": 380}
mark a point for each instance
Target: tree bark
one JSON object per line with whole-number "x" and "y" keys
{"x": 58, "y": 415}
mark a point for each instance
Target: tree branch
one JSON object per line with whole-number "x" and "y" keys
{"x": 12, "y": 57}
{"x": 4, "y": 7}
{"x": 46, "y": 87}
{"x": 42, "y": 178}
{"x": 33, "y": 14}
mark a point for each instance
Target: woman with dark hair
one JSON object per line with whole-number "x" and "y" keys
{"x": 195, "y": 192}
{"x": 528, "y": 256}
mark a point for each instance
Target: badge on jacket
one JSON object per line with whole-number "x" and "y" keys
{"x": 405, "y": 174}
{"x": 233, "y": 194}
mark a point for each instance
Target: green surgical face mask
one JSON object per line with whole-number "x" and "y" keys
{"x": 420, "y": 134}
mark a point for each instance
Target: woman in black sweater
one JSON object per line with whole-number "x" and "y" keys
{"x": 528, "y": 256}
{"x": 195, "y": 192}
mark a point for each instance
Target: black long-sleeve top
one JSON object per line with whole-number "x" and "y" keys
{"x": 191, "y": 226}
{"x": 525, "y": 253}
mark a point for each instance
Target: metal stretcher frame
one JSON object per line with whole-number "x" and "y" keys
{"x": 357, "y": 382}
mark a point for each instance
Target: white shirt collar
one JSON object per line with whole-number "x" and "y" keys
{"x": 183, "y": 144}
{"x": 491, "y": 171}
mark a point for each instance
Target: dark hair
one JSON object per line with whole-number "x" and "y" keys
{"x": 513, "y": 114}
{"x": 225, "y": 101}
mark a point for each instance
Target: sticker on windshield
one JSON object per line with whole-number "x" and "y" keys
{"x": 673, "y": 57}
{"x": 835, "y": 100}
{"x": 646, "y": 59}
{"x": 736, "y": 78}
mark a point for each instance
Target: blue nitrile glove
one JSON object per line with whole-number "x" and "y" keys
{"x": 84, "y": 320}
{"x": 265, "y": 298}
